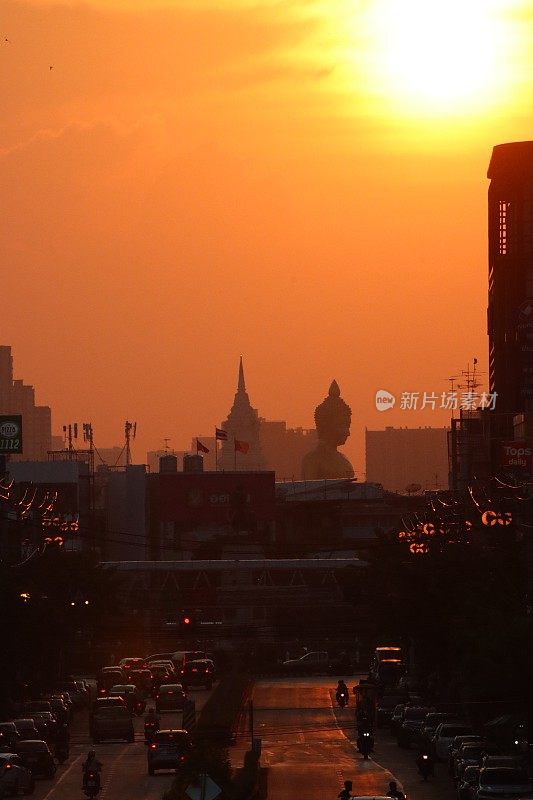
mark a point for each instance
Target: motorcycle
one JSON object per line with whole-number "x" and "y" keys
{"x": 425, "y": 765}
{"x": 139, "y": 708}
{"x": 150, "y": 729}
{"x": 342, "y": 699}
{"x": 91, "y": 785}
{"x": 365, "y": 744}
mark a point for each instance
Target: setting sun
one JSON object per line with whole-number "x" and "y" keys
{"x": 437, "y": 57}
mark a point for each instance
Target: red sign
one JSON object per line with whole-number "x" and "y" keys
{"x": 517, "y": 455}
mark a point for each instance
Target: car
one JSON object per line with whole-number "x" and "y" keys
{"x": 396, "y": 718}
{"x": 134, "y": 662}
{"x": 502, "y": 782}
{"x": 181, "y": 657}
{"x": 431, "y": 723}
{"x": 159, "y": 675}
{"x": 198, "y": 673}
{"x": 76, "y": 693}
{"x": 169, "y": 666}
{"x": 413, "y": 719}
{"x": 15, "y": 778}
{"x": 59, "y": 710}
{"x": 492, "y": 760}
{"x": 467, "y": 786}
{"x": 444, "y": 736}
{"x": 9, "y": 736}
{"x": 26, "y": 728}
{"x": 170, "y": 697}
{"x": 33, "y": 706}
{"x": 128, "y": 691}
{"x": 455, "y": 747}
{"x": 157, "y": 657}
{"x": 108, "y": 677}
{"x": 47, "y": 719}
{"x": 472, "y": 754}
{"x": 105, "y": 702}
{"x": 142, "y": 678}
{"x": 112, "y": 722}
{"x": 169, "y": 749}
{"x": 36, "y": 756}
{"x": 386, "y": 706}
{"x": 65, "y": 697}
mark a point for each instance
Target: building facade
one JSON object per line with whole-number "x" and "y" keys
{"x": 399, "y": 458}
{"x": 510, "y": 300}
{"x": 16, "y": 397}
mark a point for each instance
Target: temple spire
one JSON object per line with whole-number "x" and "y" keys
{"x": 241, "y": 385}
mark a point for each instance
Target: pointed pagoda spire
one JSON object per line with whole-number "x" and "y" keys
{"x": 241, "y": 385}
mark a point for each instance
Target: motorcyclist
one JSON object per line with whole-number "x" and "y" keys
{"x": 91, "y": 764}
{"x": 425, "y": 763}
{"x": 394, "y": 792}
{"x": 365, "y": 743}
{"x": 346, "y": 793}
{"x": 342, "y": 690}
{"x": 152, "y": 720}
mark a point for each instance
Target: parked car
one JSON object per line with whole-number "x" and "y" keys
{"x": 36, "y": 756}
{"x": 467, "y": 786}
{"x": 413, "y": 719}
{"x": 47, "y": 719}
{"x": 168, "y": 749}
{"x": 431, "y": 723}
{"x": 170, "y": 697}
{"x": 113, "y": 722}
{"x": 502, "y": 782}
{"x": 455, "y": 748}
{"x": 472, "y": 754}
{"x": 386, "y": 706}
{"x": 59, "y": 710}
{"x": 15, "y": 778}
{"x": 396, "y": 718}
{"x": 444, "y": 736}
{"x": 198, "y": 673}
{"x": 492, "y": 760}
{"x": 76, "y": 693}
{"x": 32, "y": 706}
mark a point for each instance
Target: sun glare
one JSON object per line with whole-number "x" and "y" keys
{"x": 436, "y": 57}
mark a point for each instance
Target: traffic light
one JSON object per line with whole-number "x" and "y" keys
{"x": 185, "y": 621}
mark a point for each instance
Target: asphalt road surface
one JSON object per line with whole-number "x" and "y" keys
{"x": 307, "y": 744}
{"x": 125, "y": 774}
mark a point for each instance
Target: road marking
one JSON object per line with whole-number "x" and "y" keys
{"x": 62, "y": 778}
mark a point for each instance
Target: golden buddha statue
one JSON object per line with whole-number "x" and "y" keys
{"x": 332, "y": 419}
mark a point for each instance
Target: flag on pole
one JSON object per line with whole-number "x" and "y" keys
{"x": 201, "y": 448}
{"x": 221, "y": 435}
{"x": 241, "y": 447}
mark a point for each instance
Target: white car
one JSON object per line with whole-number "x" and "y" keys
{"x": 444, "y": 736}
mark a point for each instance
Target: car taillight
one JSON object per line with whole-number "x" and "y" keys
{"x": 206, "y": 670}
{"x": 170, "y": 692}
{"x": 182, "y": 758}
{"x": 157, "y": 696}
{"x": 8, "y": 766}
{"x": 153, "y": 747}
{"x": 194, "y": 669}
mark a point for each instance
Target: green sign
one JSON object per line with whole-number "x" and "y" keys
{"x": 10, "y": 433}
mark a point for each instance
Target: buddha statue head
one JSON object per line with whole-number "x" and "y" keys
{"x": 333, "y": 417}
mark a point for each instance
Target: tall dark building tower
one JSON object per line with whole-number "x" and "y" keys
{"x": 510, "y": 309}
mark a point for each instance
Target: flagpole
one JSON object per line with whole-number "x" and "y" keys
{"x": 216, "y": 451}
{"x": 234, "y": 455}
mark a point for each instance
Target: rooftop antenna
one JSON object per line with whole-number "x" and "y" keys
{"x": 166, "y": 441}
{"x": 452, "y": 380}
{"x": 471, "y": 379}
{"x": 130, "y": 432}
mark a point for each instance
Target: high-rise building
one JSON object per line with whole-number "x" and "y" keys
{"x": 400, "y": 458}
{"x": 510, "y": 302}
{"x": 16, "y": 397}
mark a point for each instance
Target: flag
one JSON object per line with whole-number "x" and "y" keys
{"x": 221, "y": 435}
{"x": 201, "y": 448}
{"x": 241, "y": 447}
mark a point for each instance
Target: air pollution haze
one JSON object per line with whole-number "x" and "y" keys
{"x": 300, "y": 182}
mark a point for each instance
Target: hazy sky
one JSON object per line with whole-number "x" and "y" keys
{"x": 300, "y": 181}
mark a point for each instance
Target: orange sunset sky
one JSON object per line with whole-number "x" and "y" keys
{"x": 299, "y": 181}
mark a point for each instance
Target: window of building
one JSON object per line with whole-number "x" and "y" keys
{"x": 504, "y": 227}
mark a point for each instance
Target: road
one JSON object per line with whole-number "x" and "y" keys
{"x": 124, "y": 775}
{"x": 307, "y": 746}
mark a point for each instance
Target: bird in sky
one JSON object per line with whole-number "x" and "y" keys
{"x": 8, "y": 40}
{"x": 51, "y": 66}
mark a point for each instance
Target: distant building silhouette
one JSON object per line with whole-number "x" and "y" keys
{"x": 284, "y": 448}
{"x": 16, "y": 397}
{"x": 510, "y": 306}
{"x": 242, "y": 424}
{"x": 401, "y": 457}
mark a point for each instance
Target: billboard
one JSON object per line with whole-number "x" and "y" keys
{"x": 516, "y": 455}
{"x": 10, "y": 434}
